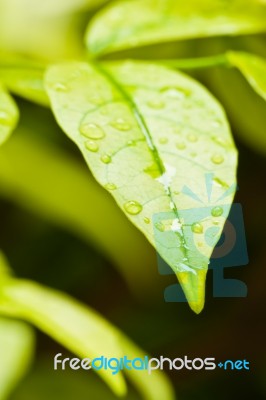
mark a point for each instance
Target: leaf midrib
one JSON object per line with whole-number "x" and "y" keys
{"x": 146, "y": 133}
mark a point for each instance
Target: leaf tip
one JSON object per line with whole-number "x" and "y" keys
{"x": 193, "y": 285}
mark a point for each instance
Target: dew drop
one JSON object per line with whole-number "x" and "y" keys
{"x": 191, "y": 137}
{"x": 91, "y": 146}
{"x": 176, "y": 92}
{"x": 220, "y": 140}
{"x": 156, "y": 104}
{"x": 197, "y": 228}
{"x": 217, "y": 123}
{"x": 121, "y": 125}
{"x": 160, "y": 226}
{"x": 106, "y": 159}
{"x": 181, "y": 146}
{"x": 60, "y": 87}
{"x": 163, "y": 140}
{"x": 147, "y": 220}
{"x": 217, "y": 159}
{"x": 110, "y": 186}
{"x": 133, "y": 207}
{"x": 217, "y": 211}
{"x": 92, "y": 131}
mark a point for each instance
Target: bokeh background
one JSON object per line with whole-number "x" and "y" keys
{"x": 94, "y": 254}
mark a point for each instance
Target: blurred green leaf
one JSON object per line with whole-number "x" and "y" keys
{"x": 52, "y": 8}
{"x": 80, "y": 329}
{"x": 146, "y": 132}
{"x": 8, "y": 115}
{"x": 153, "y": 387}
{"x": 131, "y": 23}
{"x": 24, "y": 78}
{"x": 16, "y": 351}
{"x": 44, "y": 190}
{"x": 252, "y": 67}
{"x": 42, "y": 384}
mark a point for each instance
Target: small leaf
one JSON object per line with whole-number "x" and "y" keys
{"x": 153, "y": 138}
{"x": 252, "y": 67}
{"x": 8, "y": 115}
{"x": 16, "y": 351}
{"x": 131, "y": 23}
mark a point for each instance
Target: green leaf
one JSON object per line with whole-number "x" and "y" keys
{"x": 153, "y": 387}
{"x": 16, "y": 351}
{"x": 24, "y": 78}
{"x": 131, "y": 23}
{"x": 8, "y": 115}
{"x": 152, "y": 137}
{"x": 80, "y": 329}
{"x": 252, "y": 67}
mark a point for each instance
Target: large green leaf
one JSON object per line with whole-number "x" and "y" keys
{"x": 252, "y": 67}
{"x": 130, "y": 23}
{"x": 153, "y": 137}
{"x": 82, "y": 331}
{"x": 8, "y": 115}
{"x": 16, "y": 350}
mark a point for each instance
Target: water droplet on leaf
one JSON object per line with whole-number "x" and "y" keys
{"x": 60, "y": 87}
{"x": 217, "y": 211}
{"x": 92, "y": 131}
{"x": 110, "y": 186}
{"x": 217, "y": 159}
{"x": 133, "y": 207}
{"x": 217, "y": 123}
{"x": 191, "y": 137}
{"x": 197, "y": 228}
{"x": 160, "y": 226}
{"x": 91, "y": 146}
{"x": 163, "y": 140}
{"x": 121, "y": 125}
{"x": 106, "y": 159}
{"x": 181, "y": 146}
